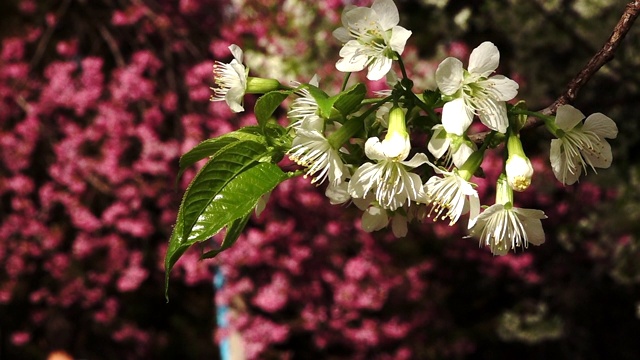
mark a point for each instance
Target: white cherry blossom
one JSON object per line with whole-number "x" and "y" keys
{"x": 454, "y": 148}
{"x": 503, "y": 228}
{"x": 451, "y": 196}
{"x": 231, "y": 81}
{"x": 388, "y": 178}
{"x": 311, "y": 149}
{"x": 580, "y": 144}
{"x": 474, "y": 91}
{"x": 371, "y": 37}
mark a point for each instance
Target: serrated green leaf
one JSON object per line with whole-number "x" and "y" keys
{"x": 228, "y": 163}
{"x": 350, "y": 100}
{"x": 234, "y": 229}
{"x": 234, "y": 201}
{"x": 210, "y": 147}
{"x": 267, "y": 104}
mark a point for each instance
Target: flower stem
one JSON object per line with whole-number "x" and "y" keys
{"x": 549, "y": 121}
{"x": 402, "y": 69}
{"x": 345, "y": 81}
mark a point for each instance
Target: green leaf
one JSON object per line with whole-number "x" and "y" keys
{"x": 234, "y": 229}
{"x": 228, "y": 163}
{"x": 267, "y": 104}
{"x": 210, "y": 147}
{"x": 325, "y": 103}
{"x": 350, "y": 100}
{"x": 234, "y": 201}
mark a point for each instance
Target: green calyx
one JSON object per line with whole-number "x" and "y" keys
{"x": 472, "y": 164}
{"x": 504, "y": 193}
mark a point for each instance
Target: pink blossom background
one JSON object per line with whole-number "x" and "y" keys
{"x": 97, "y": 102}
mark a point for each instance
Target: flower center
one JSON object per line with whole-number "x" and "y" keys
{"x": 502, "y": 227}
{"x": 446, "y": 199}
{"x": 577, "y": 144}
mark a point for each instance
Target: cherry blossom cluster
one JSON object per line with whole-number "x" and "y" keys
{"x": 364, "y": 156}
{"x": 92, "y": 124}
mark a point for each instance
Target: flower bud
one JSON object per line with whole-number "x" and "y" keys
{"x": 257, "y": 85}
{"x": 396, "y": 143}
{"x": 518, "y": 167}
{"x": 519, "y": 172}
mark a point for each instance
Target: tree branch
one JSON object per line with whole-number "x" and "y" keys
{"x": 603, "y": 56}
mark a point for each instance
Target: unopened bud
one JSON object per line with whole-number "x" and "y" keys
{"x": 519, "y": 172}
{"x": 518, "y": 167}
{"x": 257, "y": 85}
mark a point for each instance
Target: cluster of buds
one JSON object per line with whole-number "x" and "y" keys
{"x": 363, "y": 151}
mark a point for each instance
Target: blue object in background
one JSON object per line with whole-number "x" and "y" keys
{"x": 222, "y": 321}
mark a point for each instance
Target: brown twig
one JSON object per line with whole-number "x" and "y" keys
{"x": 603, "y": 56}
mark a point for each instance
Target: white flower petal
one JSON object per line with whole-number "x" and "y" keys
{"x": 559, "y": 165}
{"x": 439, "y": 142}
{"x": 555, "y": 156}
{"x": 571, "y": 177}
{"x": 417, "y": 160}
{"x": 234, "y": 99}
{"x": 600, "y": 157}
{"x": 354, "y": 17}
{"x": 494, "y": 115}
{"x": 236, "y": 51}
{"x": 567, "y": 117}
{"x": 502, "y": 88}
{"x": 463, "y": 152}
{"x": 532, "y": 225}
{"x": 338, "y": 194}
{"x": 601, "y": 125}
{"x": 362, "y": 180}
{"x": 387, "y": 11}
{"x": 399, "y": 37}
{"x": 364, "y": 203}
{"x": 449, "y": 76}
{"x": 352, "y": 59}
{"x": 474, "y": 209}
{"x": 379, "y": 68}
{"x": 342, "y": 34}
{"x": 374, "y": 149}
{"x": 484, "y": 59}
{"x": 530, "y": 213}
{"x": 315, "y": 80}
{"x": 399, "y": 226}
{"x": 456, "y": 117}
{"x": 374, "y": 219}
